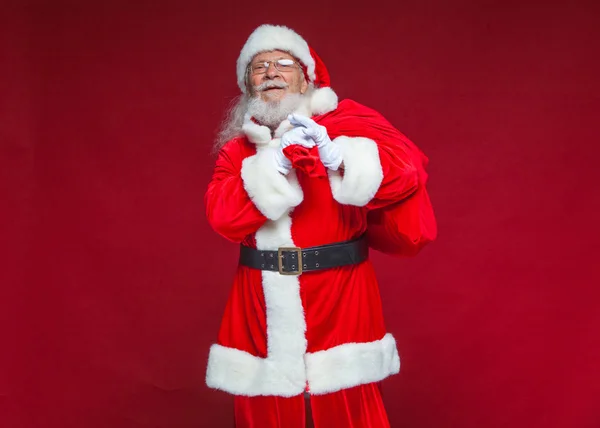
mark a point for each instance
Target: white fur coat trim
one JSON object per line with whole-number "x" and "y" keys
{"x": 283, "y": 372}
{"x": 352, "y": 364}
{"x": 239, "y": 373}
{"x": 341, "y": 367}
{"x": 362, "y": 174}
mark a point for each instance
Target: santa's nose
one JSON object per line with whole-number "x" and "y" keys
{"x": 272, "y": 71}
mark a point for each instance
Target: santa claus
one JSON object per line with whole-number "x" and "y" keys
{"x": 307, "y": 185}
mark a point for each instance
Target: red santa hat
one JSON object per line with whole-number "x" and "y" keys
{"x": 277, "y": 37}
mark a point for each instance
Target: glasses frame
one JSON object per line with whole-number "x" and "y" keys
{"x": 251, "y": 72}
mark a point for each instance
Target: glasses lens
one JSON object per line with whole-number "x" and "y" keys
{"x": 259, "y": 68}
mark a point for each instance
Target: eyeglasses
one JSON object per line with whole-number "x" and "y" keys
{"x": 283, "y": 65}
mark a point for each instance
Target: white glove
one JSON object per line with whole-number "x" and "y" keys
{"x": 294, "y": 136}
{"x": 330, "y": 154}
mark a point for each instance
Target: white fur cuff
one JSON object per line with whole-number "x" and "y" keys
{"x": 362, "y": 171}
{"x": 272, "y": 193}
{"x": 351, "y": 364}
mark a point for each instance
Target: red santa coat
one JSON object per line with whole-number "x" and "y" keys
{"x": 322, "y": 331}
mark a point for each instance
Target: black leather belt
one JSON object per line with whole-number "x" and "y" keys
{"x": 295, "y": 260}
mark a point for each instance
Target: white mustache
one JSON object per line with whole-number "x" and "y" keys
{"x": 270, "y": 85}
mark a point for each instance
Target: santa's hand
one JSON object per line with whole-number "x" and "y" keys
{"x": 330, "y": 154}
{"x": 295, "y": 136}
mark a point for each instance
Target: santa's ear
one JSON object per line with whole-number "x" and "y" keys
{"x": 304, "y": 86}
{"x": 249, "y": 86}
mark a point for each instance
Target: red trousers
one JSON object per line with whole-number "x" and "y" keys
{"x": 358, "y": 407}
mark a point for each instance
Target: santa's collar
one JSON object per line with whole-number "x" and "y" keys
{"x": 320, "y": 101}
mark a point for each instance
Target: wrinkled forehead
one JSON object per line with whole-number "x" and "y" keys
{"x": 271, "y": 55}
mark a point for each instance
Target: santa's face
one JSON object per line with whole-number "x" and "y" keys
{"x": 273, "y": 83}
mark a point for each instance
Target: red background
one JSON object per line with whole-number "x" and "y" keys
{"x": 113, "y": 285}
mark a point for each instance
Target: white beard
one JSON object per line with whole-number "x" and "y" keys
{"x": 272, "y": 113}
